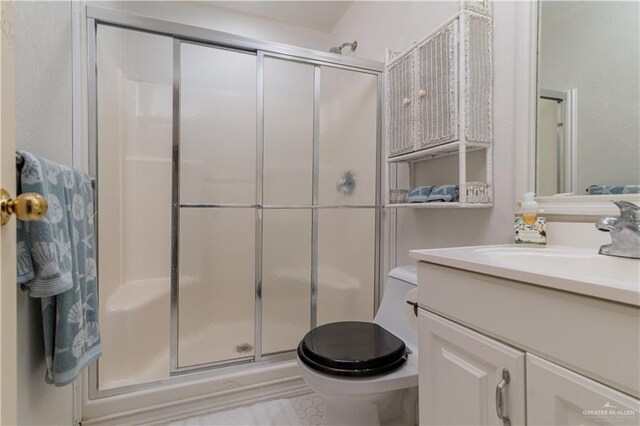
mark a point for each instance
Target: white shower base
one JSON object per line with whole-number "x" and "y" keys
{"x": 135, "y": 325}
{"x": 138, "y": 315}
{"x": 195, "y": 394}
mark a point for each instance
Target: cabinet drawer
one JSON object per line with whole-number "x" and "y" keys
{"x": 459, "y": 372}
{"x": 557, "y": 396}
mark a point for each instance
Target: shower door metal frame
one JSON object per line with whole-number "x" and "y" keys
{"x": 181, "y": 33}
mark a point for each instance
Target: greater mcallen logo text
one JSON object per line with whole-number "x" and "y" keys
{"x": 609, "y": 410}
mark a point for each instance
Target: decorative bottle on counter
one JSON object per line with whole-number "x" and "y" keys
{"x": 530, "y": 228}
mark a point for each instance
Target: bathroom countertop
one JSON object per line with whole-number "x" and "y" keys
{"x": 575, "y": 270}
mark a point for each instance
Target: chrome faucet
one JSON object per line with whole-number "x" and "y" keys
{"x": 624, "y": 230}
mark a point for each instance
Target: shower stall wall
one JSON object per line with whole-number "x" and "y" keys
{"x": 238, "y": 197}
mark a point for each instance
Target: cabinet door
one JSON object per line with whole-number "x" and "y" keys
{"x": 557, "y": 396}
{"x": 436, "y": 88}
{"x": 459, "y": 373}
{"x": 400, "y": 114}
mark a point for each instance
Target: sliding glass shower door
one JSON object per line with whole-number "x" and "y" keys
{"x": 238, "y": 203}
{"x": 319, "y": 203}
{"x": 347, "y": 195}
{"x": 217, "y": 189}
{"x": 288, "y": 106}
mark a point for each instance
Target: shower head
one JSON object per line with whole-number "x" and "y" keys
{"x": 338, "y": 49}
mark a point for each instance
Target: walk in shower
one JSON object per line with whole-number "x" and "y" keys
{"x": 238, "y": 197}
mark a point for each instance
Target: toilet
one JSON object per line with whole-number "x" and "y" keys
{"x": 367, "y": 372}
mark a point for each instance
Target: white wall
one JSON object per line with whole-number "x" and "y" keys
{"x": 594, "y": 47}
{"x": 43, "y": 79}
{"x": 388, "y": 24}
{"x": 396, "y": 25}
{"x": 43, "y": 126}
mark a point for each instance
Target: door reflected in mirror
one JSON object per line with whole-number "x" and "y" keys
{"x": 588, "y": 110}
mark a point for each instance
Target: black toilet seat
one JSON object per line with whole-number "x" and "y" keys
{"x": 352, "y": 348}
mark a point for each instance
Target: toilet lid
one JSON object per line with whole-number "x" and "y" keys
{"x": 352, "y": 348}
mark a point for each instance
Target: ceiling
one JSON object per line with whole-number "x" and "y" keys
{"x": 319, "y": 15}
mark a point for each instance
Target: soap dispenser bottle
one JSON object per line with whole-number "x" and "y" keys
{"x": 529, "y": 208}
{"x": 530, "y": 228}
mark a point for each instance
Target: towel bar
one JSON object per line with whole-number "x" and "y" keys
{"x": 20, "y": 163}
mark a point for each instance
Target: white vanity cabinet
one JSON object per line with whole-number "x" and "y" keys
{"x": 462, "y": 382}
{"x": 461, "y": 373}
{"x": 572, "y": 358}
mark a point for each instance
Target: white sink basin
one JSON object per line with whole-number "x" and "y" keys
{"x": 565, "y": 268}
{"x": 568, "y": 262}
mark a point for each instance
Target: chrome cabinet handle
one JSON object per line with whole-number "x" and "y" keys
{"x": 415, "y": 307}
{"x": 500, "y": 389}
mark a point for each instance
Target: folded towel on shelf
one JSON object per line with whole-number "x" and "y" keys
{"x": 56, "y": 263}
{"x": 419, "y": 194}
{"x": 613, "y": 189}
{"x": 446, "y": 193}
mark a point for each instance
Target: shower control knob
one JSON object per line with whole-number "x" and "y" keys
{"x": 406, "y": 101}
{"x": 422, "y": 93}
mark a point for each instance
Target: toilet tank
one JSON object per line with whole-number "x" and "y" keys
{"x": 391, "y": 313}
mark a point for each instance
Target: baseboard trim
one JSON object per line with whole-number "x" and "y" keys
{"x": 199, "y": 405}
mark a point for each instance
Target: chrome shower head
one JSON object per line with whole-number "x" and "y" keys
{"x": 338, "y": 49}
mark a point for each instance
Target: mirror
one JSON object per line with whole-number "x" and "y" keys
{"x": 588, "y": 106}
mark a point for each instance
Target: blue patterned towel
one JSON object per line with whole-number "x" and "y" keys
{"x": 56, "y": 263}
{"x": 446, "y": 193}
{"x": 613, "y": 189}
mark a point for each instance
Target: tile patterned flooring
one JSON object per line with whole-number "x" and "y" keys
{"x": 304, "y": 410}
{"x": 309, "y": 409}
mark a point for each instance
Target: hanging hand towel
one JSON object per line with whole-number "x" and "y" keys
{"x": 56, "y": 263}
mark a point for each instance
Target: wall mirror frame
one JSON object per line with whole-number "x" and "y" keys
{"x": 526, "y": 109}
